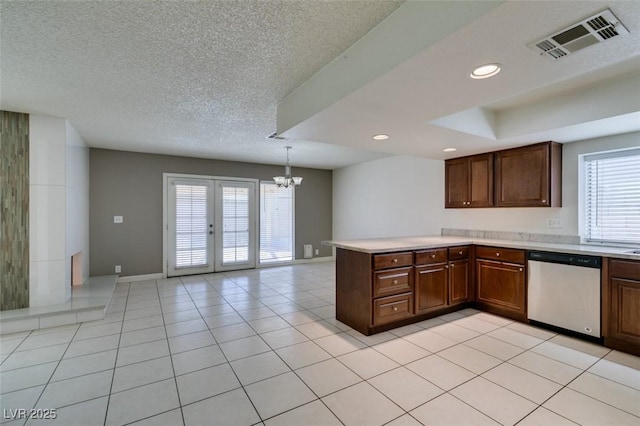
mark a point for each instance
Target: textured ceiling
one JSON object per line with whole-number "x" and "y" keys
{"x": 212, "y": 79}
{"x": 190, "y": 78}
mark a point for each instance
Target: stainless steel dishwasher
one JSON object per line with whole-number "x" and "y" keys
{"x": 564, "y": 291}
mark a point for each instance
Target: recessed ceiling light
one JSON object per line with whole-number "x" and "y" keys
{"x": 381, "y": 137}
{"x": 485, "y": 71}
{"x": 450, "y": 149}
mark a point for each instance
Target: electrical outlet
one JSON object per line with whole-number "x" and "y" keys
{"x": 118, "y": 269}
{"x": 554, "y": 222}
{"x": 317, "y": 252}
{"x": 117, "y": 219}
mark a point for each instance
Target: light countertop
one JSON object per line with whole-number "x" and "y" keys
{"x": 382, "y": 245}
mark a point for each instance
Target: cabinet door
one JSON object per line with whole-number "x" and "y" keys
{"x": 481, "y": 180}
{"x": 456, "y": 183}
{"x": 458, "y": 282}
{"x": 431, "y": 287}
{"x": 625, "y": 310}
{"x": 502, "y": 286}
{"x": 522, "y": 176}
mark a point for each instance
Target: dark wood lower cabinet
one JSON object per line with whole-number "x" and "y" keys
{"x": 501, "y": 288}
{"x": 459, "y": 282}
{"x": 622, "y": 315}
{"x": 431, "y": 287}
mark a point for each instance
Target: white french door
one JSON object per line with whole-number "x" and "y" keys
{"x": 235, "y": 225}
{"x": 211, "y": 225}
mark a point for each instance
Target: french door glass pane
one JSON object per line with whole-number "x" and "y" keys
{"x": 276, "y": 223}
{"x": 191, "y": 225}
{"x": 235, "y": 224}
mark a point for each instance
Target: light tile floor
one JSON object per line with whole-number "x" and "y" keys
{"x": 264, "y": 347}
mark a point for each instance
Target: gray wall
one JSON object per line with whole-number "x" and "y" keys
{"x": 130, "y": 184}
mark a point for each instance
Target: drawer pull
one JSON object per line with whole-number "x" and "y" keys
{"x": 520, "y": 269}
{"x": 433, "y": 256}
{"x": 395, "y": 260}
{"x": 544, "y": 201}
{"x": 395, "y": 309}
{"x": 460, "y": 252}
{"x": 446, "y": 266}
{"x": 497, "y": 254}
{"x": 452, "y": 265}
{"x": 395, "y": 281}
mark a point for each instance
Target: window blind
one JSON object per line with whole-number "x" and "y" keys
{"x": 191, "y": 225}
{"x": 276, "y": 223}
{"x": 235, "y": 224}
{"x": 612, "y": 197}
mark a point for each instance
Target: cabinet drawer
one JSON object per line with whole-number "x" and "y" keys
{"x": 426, "y": 257}
{"x": 501, "y": 254}
{"x": 624, "y": 269}
{"x": 392, "y": 308}
{"x": 392, "y": 281}
{"x": 458, "y": 253}
{"x": 392, "y": 260}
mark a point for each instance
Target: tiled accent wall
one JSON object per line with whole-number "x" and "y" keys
{"x": 14, "y": 210}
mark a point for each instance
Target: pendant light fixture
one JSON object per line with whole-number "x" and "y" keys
{"x": 287, "y": 180}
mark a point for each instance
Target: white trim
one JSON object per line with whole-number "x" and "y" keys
{"x": 134, "y": 278}
{"x": 295, "y": 262}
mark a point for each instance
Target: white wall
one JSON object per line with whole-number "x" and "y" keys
{"x": 399, "y": 196}
{"x": 58, "y": 166}
{"x": 394, "y": 196}
{"x": 77, "y": 191}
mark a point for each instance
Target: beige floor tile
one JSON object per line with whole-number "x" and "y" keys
{"x": 186, "y": 327}
{"x": 339, "y": 344}
{"x": 142, "y": 352}
{"x": 302, "y": 354}
{"x": 405, "y": 388}
{"x": 447, "y": 410}
{"x": 87, "y": 413}
{"x": 77, "y": 389}
{"x": 440, "y": 372}
{"x": 405, "y": 420}
{"x": 284, "y": 337}
{"x": 362, "y": 404}
{"x": 191, "y": 341}
{"x": 612, "y": 393}
{"x": 516, "y": 338}
{"x": 137, "y": 337}
{"x": 327, "y": 377}
{"x": 27, "y": 377}
{"x": 185, "y": 362}
{"x": 617, "y": 372}
{"x": 231, "y": 408}
{"x": 494, "y": 347}
{"x": 469, "y": 358}
{"x": 317, "y": 329}
{"x": 495, "y": 401}
{"x": 476, "y": 324}
{"x": 454, "y": 332}
{"x": 142, "y": 373}
{"x": 526, "y": 384}
{"x": 623, "y": 358}
{"x": 587, "y": 411}
{"x": 144, "y": 401}
{"x": 433, "y": 342}
{"x": 546, "y": 367}
{"x": 170, "y": 418}
{"x": 33, "y": 357}
{"x": 543, "y": 417}
{"x": 206, "y": 383}
{"x": 566, "y": 355}
{"x": 232, "y": 332}
{"x": 259, "y": 367}
{"x": 401, "y": 351}
{"x": 86, "y": 364}
{"x": 25, "y": 399}
{"x": 244, "y": 347}
{"x": 531, "y": 330}
{"x": 313, "y": 413}
{"x": 291, "y": 392}
{"x": 367, "y": 362}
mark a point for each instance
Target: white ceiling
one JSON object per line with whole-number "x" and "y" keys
{"x": 211, "y": 79}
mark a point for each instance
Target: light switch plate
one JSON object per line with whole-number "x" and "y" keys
{"x": 554, "y": 223}
{"x": 117, "y": 219}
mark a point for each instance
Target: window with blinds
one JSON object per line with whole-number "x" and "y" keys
{"x": 276, "y": 223}
{"x": 235, "y": 224}
{"x": 612, "y": 197}
{"x": 191, "y": 225}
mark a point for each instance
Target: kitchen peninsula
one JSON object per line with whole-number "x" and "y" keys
{"x": 386, "y": 283}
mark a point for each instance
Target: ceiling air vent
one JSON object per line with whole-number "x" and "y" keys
{"x": 275, "y": 136}
{"x": 587, "y": 32}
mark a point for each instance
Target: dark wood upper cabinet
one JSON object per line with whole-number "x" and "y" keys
{"x": 469, "y": 181}
{"x": 529, "y": 176}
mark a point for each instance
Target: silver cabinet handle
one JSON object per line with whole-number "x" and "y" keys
{"x": 395, "y": 260}
{"x": 433, "y": 256}
{"x": 395, "y": 309}
{"x": 395, "y": 281}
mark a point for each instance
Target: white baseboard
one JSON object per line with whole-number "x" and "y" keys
{"x": 134, "y": 278}
{"x": 314, "y": 259}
